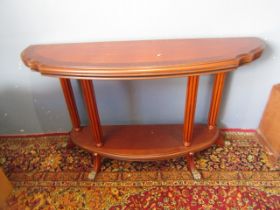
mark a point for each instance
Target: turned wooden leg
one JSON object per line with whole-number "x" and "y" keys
{"x": 96, "y": 166}
{"x": 190, "y": 109}
{"x": 191, "y": 166}
{"x": 90, "y": 101}
{"x": 215, "y": 104}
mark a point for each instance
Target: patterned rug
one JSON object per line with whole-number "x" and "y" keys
{"x": 47, "y": 175}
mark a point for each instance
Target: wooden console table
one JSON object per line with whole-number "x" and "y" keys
{"x": 134, "y": 60}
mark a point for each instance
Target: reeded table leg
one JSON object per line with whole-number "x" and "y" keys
{"x": 190, "y": 109}
{"x": 189, "y": 121}
{"x": 215, "y": 103}
{"x": 94, "y": 121}
{"x": 90, "y": 101}
{"x": 71, "y": 105}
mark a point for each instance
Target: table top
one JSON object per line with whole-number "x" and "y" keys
{"x": 142, "y": 59}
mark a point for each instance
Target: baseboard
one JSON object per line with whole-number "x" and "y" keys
{"x": 67, "y": 133}
{"x": 34, "y": 135}
{"x": 238, "y": 130}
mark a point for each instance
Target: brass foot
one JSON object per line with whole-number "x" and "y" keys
{"x": 96, "y": 166}
{"x": 92, "y": 175}
{"x": 191, "y": 166}
{"x": 196, "y": 174}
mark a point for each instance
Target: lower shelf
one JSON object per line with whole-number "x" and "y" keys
{"x": 145, "y": 142}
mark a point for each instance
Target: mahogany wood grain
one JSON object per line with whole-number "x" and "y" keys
{"x": 148, "y": 59}
{"x": 145, "y": 142}
{"x": 70, "y": 102}
{"x": 190, "y": 108}
{"x": 144, "y": 59}
{"x": 216, "y": 99}
{"x": 90, "y": 101}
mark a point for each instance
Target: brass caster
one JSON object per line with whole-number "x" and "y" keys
{"x": 92, "y": 175}
{"x": 196, "y": 174}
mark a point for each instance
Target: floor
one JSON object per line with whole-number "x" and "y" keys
{"x": 48, "y": 175}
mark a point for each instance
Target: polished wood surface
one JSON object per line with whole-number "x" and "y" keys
{"x": 70, "y": 102}
{"x": 90, "y": 102}
{"x": 216, "y": 99}
{"x": 142, "y": 59}
{"x": 145, "y": 142}
{"x": 190, "y": 108}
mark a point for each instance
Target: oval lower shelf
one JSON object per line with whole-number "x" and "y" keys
{"x": 145, "y": 142}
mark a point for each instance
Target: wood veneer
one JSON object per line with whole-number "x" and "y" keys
{"x": 148, "y": 59}
{"x": 89, "y": 97}
{"x": 145, "y": 142}
{"x": 216, "y": 99}
{"x": 144, "y": 59}
{"x": 190, "y": 108}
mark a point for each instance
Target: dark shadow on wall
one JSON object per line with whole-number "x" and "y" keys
{"x": 23, "y": 111}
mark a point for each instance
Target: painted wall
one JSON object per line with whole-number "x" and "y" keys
{"x": 31, "y": 103}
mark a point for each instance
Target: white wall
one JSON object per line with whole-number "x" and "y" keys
{"x": 31, "y": 103}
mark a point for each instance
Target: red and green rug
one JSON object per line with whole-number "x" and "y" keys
{"x": 47, "y": 175}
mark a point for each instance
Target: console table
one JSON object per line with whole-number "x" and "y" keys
{"x": 135, "y": 60}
